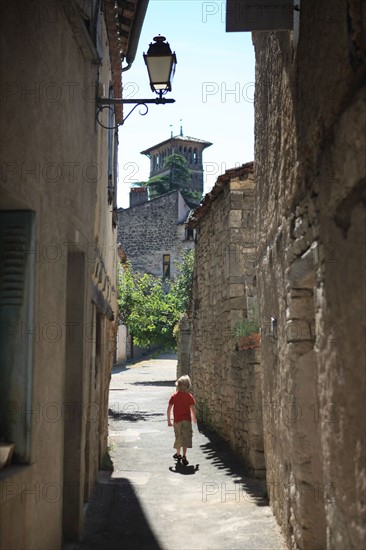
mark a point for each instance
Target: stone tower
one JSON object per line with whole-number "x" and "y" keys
{"x": 189, "y": 147}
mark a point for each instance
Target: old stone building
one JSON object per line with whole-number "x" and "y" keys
{"x": 153, "y": 233}
{"x": 188, "y": 147}
{"x": 58, "y": 306}
{"x": 227, "y": 382}
{"x": 310, "y": 175}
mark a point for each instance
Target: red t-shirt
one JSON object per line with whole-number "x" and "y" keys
{"x": 182, "y": 401}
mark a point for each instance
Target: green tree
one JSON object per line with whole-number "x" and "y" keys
{"x": 182, "y": 283}
{"x": 149, "y": 309}
{"x": 178, "y": 177}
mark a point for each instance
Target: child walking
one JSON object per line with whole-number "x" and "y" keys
{"x": 184, "y": 412}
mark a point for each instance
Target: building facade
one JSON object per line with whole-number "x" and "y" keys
{"x": 152, "y": 233}
{"x": 58, "y": 306}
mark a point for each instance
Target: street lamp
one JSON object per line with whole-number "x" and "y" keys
{"x": 161, "y": 63}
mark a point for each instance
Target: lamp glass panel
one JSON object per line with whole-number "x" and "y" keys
{"x": 159, "y": 71}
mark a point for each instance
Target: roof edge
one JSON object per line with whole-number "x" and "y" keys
{"x": 221, "y": 182}
{"x": 177, "y": 138}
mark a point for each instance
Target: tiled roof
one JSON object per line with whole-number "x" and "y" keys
{"x": 119, "y": 18}
{"x": 218, "y": 188}
{"x": 115, "y": 52}
{"x": 176, "y": 139}
{"x": 189, "y": 138}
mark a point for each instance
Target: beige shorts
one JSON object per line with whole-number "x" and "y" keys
{"x": 183, "y": 434}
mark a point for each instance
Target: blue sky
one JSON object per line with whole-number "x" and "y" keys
{"x": 213, "y": 88}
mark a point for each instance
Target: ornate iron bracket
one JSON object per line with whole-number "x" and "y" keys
{"x": 107, "y": 103}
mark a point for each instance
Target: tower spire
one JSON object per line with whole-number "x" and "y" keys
{"x": 171, "y": 130}
{"x": 181, "y": 128}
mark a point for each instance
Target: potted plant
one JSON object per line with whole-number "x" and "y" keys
{"x": 247, "y": 334}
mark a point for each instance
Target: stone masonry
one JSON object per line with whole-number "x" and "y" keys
{"x": 310, "y": 112}
{"x": 152, "y": 229}
{"x": 184, "y": 344}
{"x": 227, "y": 383}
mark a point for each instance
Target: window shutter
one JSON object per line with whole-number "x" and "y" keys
{"x": 259, "y": 15}
{"x": 16, "y": 321}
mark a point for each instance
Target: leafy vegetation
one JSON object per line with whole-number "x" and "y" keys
{"x": 182, "y": 283}
{"x": 246, "y": 327}
{"x": 178, "y": 176}
{"x": 150, "y": 307}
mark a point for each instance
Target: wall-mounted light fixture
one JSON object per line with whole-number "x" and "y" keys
{"x": 161, "y": 63}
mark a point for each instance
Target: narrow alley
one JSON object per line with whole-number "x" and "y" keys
{"x": 148, "y": 503}
{"x": 228, "y": 225}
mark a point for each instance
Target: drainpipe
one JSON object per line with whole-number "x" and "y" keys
{"x": 135, "y": 33}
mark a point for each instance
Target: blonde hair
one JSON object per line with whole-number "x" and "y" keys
{"x": 183, "y": 383}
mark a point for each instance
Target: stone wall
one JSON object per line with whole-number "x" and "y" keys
{"x": 184, "y": 345}
{"x": 150, "y": 230}
{"x": 310, "y": 231}
{"x": 227, "y": 383}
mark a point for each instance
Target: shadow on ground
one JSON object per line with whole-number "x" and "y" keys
{"x": 184, "y": 470}
{"x": 115, "y": 519}
{"x": 133, "y": 416}
{"x": 218, "y": 452}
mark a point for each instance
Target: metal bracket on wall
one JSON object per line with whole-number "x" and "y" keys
{"x": 108, "y": 103}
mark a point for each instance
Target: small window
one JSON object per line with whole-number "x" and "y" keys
{"x": 166, "y": 266}
{"x": 189, "y": 234}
